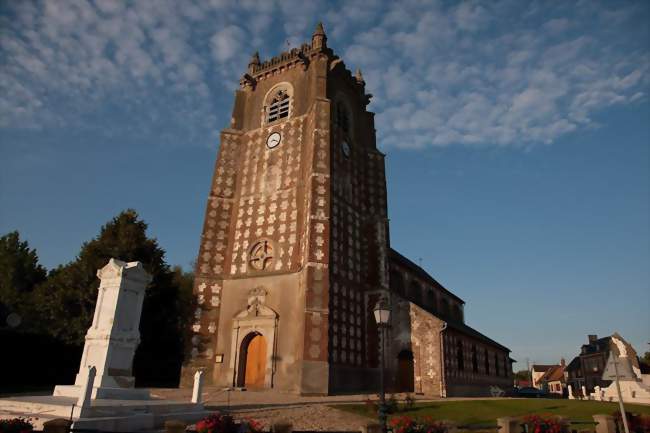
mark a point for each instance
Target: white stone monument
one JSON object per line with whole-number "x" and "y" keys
{"x": 114, "y": 335}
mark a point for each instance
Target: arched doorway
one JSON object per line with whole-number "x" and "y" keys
{"x": 252, "y": 361}
{"x": 405, "y": 371}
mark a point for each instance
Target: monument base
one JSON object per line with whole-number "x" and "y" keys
{"x": 103, "y": 392}
{"x": 104, "y": 414}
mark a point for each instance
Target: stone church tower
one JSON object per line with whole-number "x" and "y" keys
{"x": 294, "y": 247}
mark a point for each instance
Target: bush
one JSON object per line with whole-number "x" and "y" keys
{"x": 409, "y": 402}
{"x": 637, "y": 423}
{"x": 392, "y": 406}
{"x": 16, "y": 425}
{"x": 406, "y": 424}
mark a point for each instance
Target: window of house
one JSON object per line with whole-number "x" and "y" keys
{"x": 487, "y": 362}
{"x": 459, "y": 355}
{"x": 496, "y": 364}
{"x": 278, "y": 106}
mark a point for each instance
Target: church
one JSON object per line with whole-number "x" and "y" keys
{"x": 295, "y": 252}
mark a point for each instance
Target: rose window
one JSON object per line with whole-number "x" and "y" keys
{"x": 261, "y": 255}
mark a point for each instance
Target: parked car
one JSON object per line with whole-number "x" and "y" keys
{"x": 530, "y": 392}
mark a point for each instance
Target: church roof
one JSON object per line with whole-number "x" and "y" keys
{"x": 417, "y": 270}
{"x": 468, "y": 330}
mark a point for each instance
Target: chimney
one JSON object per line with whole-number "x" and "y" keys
{"x": 592, "y": 338}
{"x": 562, "y": 362}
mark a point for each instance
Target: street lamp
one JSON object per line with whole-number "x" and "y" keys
{"x": 382, "y": 314}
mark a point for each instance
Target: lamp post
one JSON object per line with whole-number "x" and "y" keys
{"x": 382, "y": 314}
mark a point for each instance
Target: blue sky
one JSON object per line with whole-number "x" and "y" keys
{"x": 516, "y": 134}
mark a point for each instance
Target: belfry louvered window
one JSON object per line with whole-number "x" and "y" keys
{"x": 342, "y": 117}
{"x": 279, "y": 107}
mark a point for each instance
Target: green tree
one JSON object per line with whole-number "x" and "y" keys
{"x": 646, "y": 358}
{"x": 522, "y": 375}
{"x": 67, "y": 299}
{"x": 20, "y": 273}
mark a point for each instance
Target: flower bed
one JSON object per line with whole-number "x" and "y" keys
{"x": 406, "y": 424}
{"x": 16, "y": 425}
{"x": 545, "y": 424}
{"x": 219, "y": 423}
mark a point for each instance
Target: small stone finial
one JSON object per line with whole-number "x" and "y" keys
{"x": 359, "y": 77}
{"x": 319, "y": 29}
{"x": 255, "y": 61}
{"x": 318, "y": 39}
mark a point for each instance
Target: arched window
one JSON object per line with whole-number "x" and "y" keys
{"x": 397, "y": 282}
{"x": 415, "y": 292}
{"x": 445, "y": 307}
{"x": 474, "y": 359}
{"x": 431, "y": 300}
{"x": 277, "y": 103}
{"x": 458, "y": 314}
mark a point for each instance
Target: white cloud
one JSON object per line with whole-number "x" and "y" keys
{"x": 475, "y": 73}
{"x": 227, "y": 42}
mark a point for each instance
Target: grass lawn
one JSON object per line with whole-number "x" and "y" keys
{"x": 487, "y": 411}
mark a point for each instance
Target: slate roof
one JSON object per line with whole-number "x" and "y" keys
{"x": 574, "y": 364}
{"x": 468, "y": 330}
{"x": 556, "y": 372}
{"x": 417, "y": 270}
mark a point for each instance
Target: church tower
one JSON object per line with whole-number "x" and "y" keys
{"x": 293, "y": 254}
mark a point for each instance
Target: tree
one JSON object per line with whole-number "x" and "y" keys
{"x": 646, "y": 358}
{"x": 67, "y": 299}
{"x": 20, "y": 272}
{"x": 522, "y": 375}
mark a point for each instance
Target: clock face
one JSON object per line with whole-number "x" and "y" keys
{"x": 273, "y": 140}
{"x": 345, "y": 147}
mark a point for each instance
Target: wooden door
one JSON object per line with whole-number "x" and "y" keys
{"x": 255, "y": 362}
{"x": 405, "y": 373}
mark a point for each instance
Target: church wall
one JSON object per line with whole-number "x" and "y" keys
{"x": 285, "y": 297}
{"x": 416, "y": 331}
{"x": 465, "y": 380}
{"x": 358, "y": 237}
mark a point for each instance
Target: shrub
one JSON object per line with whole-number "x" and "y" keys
{"x": 16, "y": 425}
{"x": 216, "y": 423}
{"x": 392, "y": 406}
{"x": 637, "y": 423}
{"x": 545, "y": 424}
{"x": 409, "y": 402}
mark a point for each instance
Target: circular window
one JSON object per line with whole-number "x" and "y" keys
{"x": 346, "y": 148}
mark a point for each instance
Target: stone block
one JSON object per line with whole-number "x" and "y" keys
{"x": 605, "y": 424}
{"x": 509, "y": 424}
{"x": 57, "y": 425}
{"x": 282, "y": 427}
{"x": 175, "y": 426}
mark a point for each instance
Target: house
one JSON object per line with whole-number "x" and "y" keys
{"x": 553, "y": 380}
{"x": 537, "y": 371}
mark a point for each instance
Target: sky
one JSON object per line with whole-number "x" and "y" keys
{"x": 517, "y": 139}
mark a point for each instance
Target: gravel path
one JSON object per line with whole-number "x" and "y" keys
{"x": 307, "y": 417}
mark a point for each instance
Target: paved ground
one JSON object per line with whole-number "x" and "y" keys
{"x": 305, "y": 413}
